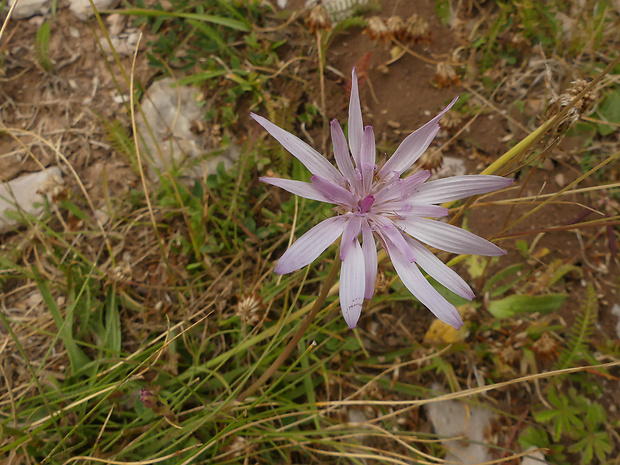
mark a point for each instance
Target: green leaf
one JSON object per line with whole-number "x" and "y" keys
{"x": 227, "y": 22}
{"x": 42, "y": 46}
{"x": 609, "y": 110}
{"x": 524, "y": 304}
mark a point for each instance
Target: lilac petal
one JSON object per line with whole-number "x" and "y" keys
{"x": 341, "y": 153}
{"x": 414, "y": 145}
{"x": 312, "y": 244}
{"x": 447, "y": 237}
{"x": 401, "y": 189}
{"x": 413, "y": 280}
{"x": 391, "y": 233}
{"x": 303, "y": 189}
{"x": 404, "y": 209}
{"x": 442, "y": 273}
{"x": 367, "y": 159}
{"x": 351, "y": 231}
{"x": 458, "y": 187}
{"x": 369, "y": 248}
{"x": 333, "y": 192}
{"x": 352, "y": 285}
{"x": 310, "y": 158}
{"x": 356, "y": 125}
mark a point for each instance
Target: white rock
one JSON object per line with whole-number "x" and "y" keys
{"x": 174, "y": 142}
{"x": 451, "y": 166}
{"x": 83, "y": 9}
{"x": 28, "y": 8}
{"x": 26, "y": 193}
{"x": 535, "y": 458}
{"x": 452, "y": 419}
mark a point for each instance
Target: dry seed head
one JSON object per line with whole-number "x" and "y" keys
{"x": 432, "y": 161}
{"x": 546, "y": 348}
{"x": 417, "y": 29}
{"x": 509, "y": 355}
{"x": 445, "y": 75}
{"x": 582, "y": 107}
{"x": 451, "y": 121}
{"x": 395, "y": 27}
{"x": 376, "y": 29}
{"x": 317, "y": 19}
{"x": 249, "y": 308}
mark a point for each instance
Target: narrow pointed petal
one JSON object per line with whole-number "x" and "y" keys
{"x": 413, "y": 280}
{"x": 458, "y": 187}
{"x": 303, "y": 189}
{"x": 367, "y": 159}
{"x": 442, "y": 273}
{"x": 310, "y": 158}
{"x": 402, "y": 189}
{"x": 349, "y": 236}
{"x": 414, "y": 145}
{"x": 404, "y": 209}
{"x": 341, "y": 152}
{"x": 356, "y": 125}
{"x": 390, "y": 233}
{"x": 352, "y": 283}
{"x": 312, "y": 244}
{"x": 449, "y": 238}
{"x": 333, "y": 192}
{"x": 369, "y": 248}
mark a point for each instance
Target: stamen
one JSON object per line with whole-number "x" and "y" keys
{"x": 366, "y": 203}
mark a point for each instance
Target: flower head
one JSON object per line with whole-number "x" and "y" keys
{"x": 375, "y": 203}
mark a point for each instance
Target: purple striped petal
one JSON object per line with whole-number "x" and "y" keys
{"x": 368, "y": 159}
{"x": 458, "y": 187}
{"x": 391, "y": 233}
{"x": 352, "y": 283}
{"x": 414, "y": 145}
{"x": 303, "y": 189}
{"x": 413, "y": 280}
{"x": 341, "y": 153}
{"x": 310, "y": 158}
{"x": 356, "y": 125}
{"x": 401, "y": 189}
{"x": 442, "y": 273}
{"x": 312, "y": 244}
{"x": 404, "y": 209}
{"x": 351, "y": 231}
{"x": 369, "y": 248}
{"x": 333, "y": 192}
{"x": 447, "y": 237}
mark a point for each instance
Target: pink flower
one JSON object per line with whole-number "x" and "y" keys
{"x": 375, "y": 202}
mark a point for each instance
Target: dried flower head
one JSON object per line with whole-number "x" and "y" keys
{"x": 445, "y": 75}
{"x": 249, "y": 309}
{"x": 395, "y": 27}
{"x": 374, "y": 203}
{"x": 452, "y": 121}
{"x": 318, "y": 18}
{"x": 432, "y": 161}
{"x": 376, "y": 29}
{"x": 416, "y": 29}
{"x": 546, "y": 348}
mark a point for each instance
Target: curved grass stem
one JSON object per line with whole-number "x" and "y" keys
{"x": 318, "y": 304}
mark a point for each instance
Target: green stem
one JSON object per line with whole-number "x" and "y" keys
{"x": 318, "y": 304}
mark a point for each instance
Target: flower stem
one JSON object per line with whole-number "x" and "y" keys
{"x": 318, "y": 304}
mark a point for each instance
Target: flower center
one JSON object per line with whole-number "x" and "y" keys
{"x": 366, "y": 203}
